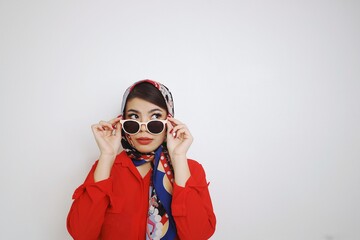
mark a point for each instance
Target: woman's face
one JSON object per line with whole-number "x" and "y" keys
{"x": 143, "y": 111}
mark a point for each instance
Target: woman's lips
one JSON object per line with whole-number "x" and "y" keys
{"x": 144, "y": 141}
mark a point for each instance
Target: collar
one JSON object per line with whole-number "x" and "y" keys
{"x": 123, "y": 159}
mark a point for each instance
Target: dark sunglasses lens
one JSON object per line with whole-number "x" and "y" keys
{"x": 155, "y": 126}
{"x": 131, "y": 126}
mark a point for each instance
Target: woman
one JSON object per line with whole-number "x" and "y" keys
{"x": 150, "y": 190}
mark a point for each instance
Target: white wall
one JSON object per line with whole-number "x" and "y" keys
{"x": 270, "y": 90}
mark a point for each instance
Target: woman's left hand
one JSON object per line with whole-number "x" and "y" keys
{"x": 178, "y": 138}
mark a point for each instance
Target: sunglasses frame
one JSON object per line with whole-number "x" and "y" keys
{"x": 164, "y": 121}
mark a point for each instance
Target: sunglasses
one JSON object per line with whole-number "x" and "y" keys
{"x": 155, "y": 126}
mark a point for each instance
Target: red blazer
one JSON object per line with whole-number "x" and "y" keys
{"x": 116, "y": 208}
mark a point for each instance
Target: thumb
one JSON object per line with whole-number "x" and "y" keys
{"x": 169, "y": 128}
{"x": 118, "y": 128}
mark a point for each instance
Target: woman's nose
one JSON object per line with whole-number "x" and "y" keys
{"x": 142, "y": 127}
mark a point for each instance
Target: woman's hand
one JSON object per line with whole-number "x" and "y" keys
{"x": 108, "y": 136}
{"x": 178, "y": 138}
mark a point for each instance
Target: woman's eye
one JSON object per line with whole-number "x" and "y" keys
{"x": 132, "y": 116}
{"x": 156, "y": 116}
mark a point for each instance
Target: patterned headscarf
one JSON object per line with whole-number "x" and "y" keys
{"x": 162, "y": 88}
{"x": 160, "y": 222}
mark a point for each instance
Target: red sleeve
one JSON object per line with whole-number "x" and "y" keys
{"x": 192, "y": 208}
{"x": 87, "y": 212}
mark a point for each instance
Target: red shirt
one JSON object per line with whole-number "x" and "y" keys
{"x": 116, "y": 208}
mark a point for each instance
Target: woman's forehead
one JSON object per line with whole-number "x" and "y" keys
{"x": 142, "y": 106}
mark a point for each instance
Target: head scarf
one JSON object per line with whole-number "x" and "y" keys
{"x": 160, "y": 222}
{"x": 162, "y": 88}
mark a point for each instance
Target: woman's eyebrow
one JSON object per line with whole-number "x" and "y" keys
{"x": 155, "y": 110}
{"x": 151, "y": 111}
{"x": 133, "y": 110}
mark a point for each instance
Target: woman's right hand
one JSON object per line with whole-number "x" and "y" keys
{"x": 108, "y": 136}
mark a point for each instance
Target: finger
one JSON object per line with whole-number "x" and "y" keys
{"x": 174, "y": 121}
{"x": 180, "y": 134}
{"x": 183, "y": 133}
{"x": 115, "y": 120}
{"x": 178, "y": 127}
{"x": 106, "y": 125}
{"x": 97, "y": 127}
{"x": 170, "y": 128}
{"x": 182, "y": 130}
{"x": 100, "y": 128}
{"x": 118, "y": 129}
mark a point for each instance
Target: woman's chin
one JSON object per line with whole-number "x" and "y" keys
{"x": 146, "y": 148}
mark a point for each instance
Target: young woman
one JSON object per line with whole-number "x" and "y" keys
{"x": 150, "y": 190}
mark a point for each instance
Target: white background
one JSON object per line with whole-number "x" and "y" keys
{"x": 269, "y": 89}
